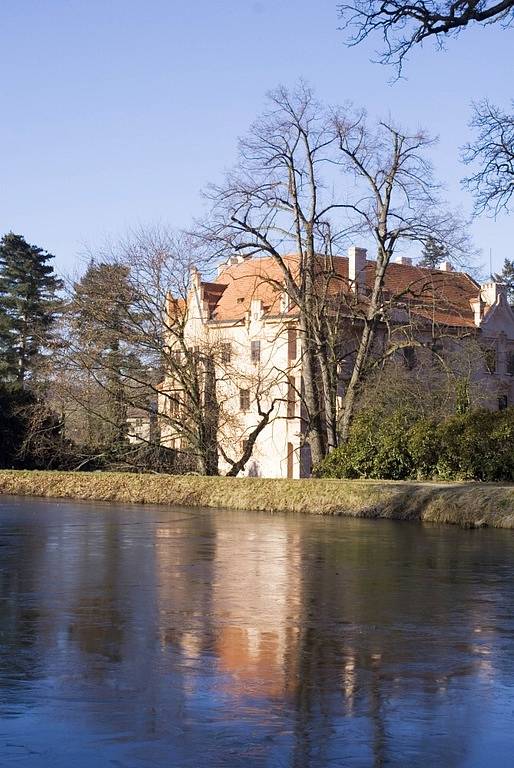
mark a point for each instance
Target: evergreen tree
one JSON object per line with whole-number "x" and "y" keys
{"x": 28, "y": 306}
{"x": 98, "y": 309}
{"x": 506, "y": 276}
{"x": 433, "y": 254}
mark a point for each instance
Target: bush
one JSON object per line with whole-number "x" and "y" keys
{"x": 377, "y": 448}
{"x": 477, "y": 445}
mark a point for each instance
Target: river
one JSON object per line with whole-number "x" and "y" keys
{"x": 146, "y": 636}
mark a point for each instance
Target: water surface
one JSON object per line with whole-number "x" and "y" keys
{"x": 137, "y": 637}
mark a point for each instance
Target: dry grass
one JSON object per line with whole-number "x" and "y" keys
{"x": 465, "y": 504}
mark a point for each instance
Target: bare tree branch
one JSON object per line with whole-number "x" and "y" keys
{"x": 403, "y": 25}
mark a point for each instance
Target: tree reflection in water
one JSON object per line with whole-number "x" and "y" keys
{"x": 178, "y": 637}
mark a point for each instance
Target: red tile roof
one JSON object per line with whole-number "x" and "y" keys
{"x": 433, "y": 295}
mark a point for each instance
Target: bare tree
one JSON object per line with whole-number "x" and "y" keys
{"x": 127, "y": 347}
{"x": 403, "y": 25}
{"x": 274, "y": 202}
{"x": 308, "y": 179}
{"x": 397, "y": 203}
{"x": 493, "y": 150}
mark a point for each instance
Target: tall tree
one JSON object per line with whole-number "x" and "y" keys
{"x": 128, "y": 346}
{"x": 308, "y": 179}
{"x": 96, "y": 314}
{"x": 29, "y": 305}
{"x": 433, "y": 253}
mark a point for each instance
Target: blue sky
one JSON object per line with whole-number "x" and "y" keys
{"x": 116, "y": 113}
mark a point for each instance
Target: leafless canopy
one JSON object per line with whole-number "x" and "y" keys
{"x": 310, "y": 180}
{"x": 493, "y": 153}
{"x": 403, "y": 25}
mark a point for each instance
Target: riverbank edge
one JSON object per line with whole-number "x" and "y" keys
{"x": 466, "y": 504}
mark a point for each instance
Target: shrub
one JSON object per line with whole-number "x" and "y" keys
{"x": 476, "y": 445}
{"x": 377, "y": 448}
{"x": 424, "y": 442}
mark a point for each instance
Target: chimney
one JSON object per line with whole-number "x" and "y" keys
{"x": 232, "y": 261}
{"x": 196, "y": 279}
{"x": 404, "y": 260}
{"x": 445, "y": 266}
{"x": 356, "y": 267}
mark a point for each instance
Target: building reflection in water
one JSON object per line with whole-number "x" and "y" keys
{"x": 154, "y": 636}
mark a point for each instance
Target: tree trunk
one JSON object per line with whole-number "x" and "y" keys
{"x": 315, "y": 436}
{"x": 211, "y": 417}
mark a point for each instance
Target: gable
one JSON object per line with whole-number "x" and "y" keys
{"x": 499, "y": 319}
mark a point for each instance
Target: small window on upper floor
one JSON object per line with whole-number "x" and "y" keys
{"x": 510, "y": 363}
{"x": 174, "y": 407}
{"x": 244, "y": 399}
{"x": 256, "y": 351}
{"x": 503, "y": 402}
{"x": 490, "y": 359}
{"x": 226, "y": 353}
{"x": 291, "y": 397}
{"x": 291, "y": 344}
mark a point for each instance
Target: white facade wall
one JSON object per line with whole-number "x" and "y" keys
{"x": 268, "y": 378}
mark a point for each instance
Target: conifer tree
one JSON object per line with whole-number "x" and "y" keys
{"x": 97, "y": 310}
{"x": 433, "y": 254}
{"x": 28, "y": 307}
{"x": 506, "y": 276}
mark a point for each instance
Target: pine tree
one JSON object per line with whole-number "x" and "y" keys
{"x": 28, "y": 306}
{"x": 506, "y": 276}
{"x": 98, "y": 308}
{"x": 433, "y": 254}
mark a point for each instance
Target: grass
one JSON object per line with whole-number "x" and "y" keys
{"x": 465, "y": 504}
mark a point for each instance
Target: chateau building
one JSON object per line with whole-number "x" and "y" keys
{"x": 245, "y": 319}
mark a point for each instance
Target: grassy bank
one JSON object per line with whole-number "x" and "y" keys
{"x": 465, "y": 504}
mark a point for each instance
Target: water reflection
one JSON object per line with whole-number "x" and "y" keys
{"x": 135, "y": 637}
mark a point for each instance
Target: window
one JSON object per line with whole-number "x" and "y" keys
{"x": 226, "y": 353}
{"x": 291, "y": 397}
{"x": 176, "y": 357}
{"x": 409, "y": 358}
{"x": 244, "y": 399}
{"x": 290, "y": 460}
{"x": 244, "y": 445}
{"x": 510, "y": 363}
{"x": 503, "y": 402}
{"x": 174, "y": 401}
{"x": 490, "y": 359}
{"x": 256, "y": 351}
{"x": 291, "y": 344}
